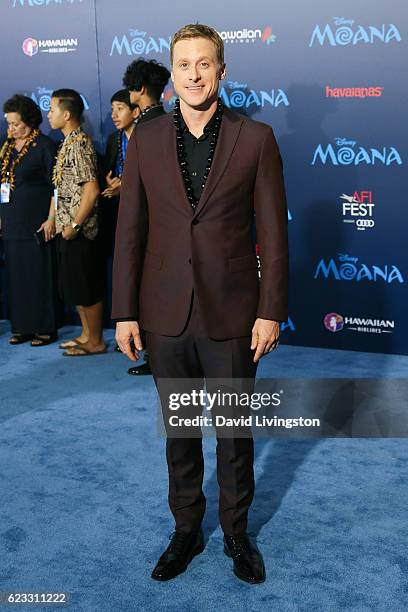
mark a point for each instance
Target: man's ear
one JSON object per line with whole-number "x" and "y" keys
{"x": 222, "y": 72}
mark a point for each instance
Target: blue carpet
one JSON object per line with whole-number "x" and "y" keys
{"x": 84, "y": 484}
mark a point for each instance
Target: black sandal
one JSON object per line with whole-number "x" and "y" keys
{"x": 20, "y": 338}
{"x": 43, "y": 339}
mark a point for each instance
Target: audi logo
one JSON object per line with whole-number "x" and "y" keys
{"x": 365, "y": 223}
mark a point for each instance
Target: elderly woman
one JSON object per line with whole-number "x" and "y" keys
{"x": 28, "y": 224}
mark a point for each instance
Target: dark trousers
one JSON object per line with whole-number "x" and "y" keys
{"x": 178, "y": 360}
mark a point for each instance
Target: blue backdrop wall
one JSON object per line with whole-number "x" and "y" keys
{"x": 330, "y": 78}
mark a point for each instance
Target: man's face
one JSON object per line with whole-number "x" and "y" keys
{"x": 122, "y": 115}
{"x": 56, "y": 116}
{"x": 196, "y": 72}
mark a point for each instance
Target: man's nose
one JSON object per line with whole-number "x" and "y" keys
{"x": 194, "y": 74}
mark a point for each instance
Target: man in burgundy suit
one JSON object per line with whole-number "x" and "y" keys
{"x": 185, "y": 271}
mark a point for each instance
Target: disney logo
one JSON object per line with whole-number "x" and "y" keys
{"x": 346, "y": 257}
{"x": 341, "y": 21}
{"x": 344, "y": 142}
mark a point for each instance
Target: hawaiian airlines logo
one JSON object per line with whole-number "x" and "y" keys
{"x": 248, "y": 36}
{"x": 16, "y": 3}
{"x": 42, "y": 97}
{"x": 345, "y": 32}
{"x": 347, "y": 153}
{"x": 137, "y": 42}
{"x": 240, "y": 95}
{"x": 358, "y": 209}
{"x": 347, "y": 268}
{"x": 30, "y": 46}
{"x": 354, "y": 92}
{"x": 335, "y": 322}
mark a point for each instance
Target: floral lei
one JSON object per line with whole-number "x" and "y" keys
{"x": 7, "y": 150}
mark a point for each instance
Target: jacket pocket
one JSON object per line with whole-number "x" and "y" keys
{"x": 239, "y": 264}
{"x": 153, "y": 261}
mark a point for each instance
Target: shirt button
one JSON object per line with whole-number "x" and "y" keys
{"x": 194, "y": 173}
{"x": 194, "y": 221}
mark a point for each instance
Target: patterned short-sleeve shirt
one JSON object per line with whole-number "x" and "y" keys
{"x": 76, "y": 165}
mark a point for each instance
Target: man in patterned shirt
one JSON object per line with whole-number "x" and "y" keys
{"x": 75, "y": 200}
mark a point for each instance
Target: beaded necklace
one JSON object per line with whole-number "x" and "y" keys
{"x": 7, "y": 168}
{"x": 145, "y": 111}
{"x": 181, "y": 153}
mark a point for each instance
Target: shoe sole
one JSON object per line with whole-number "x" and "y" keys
{"x": 240, "y": 576}
{"x": 195, "y": 552}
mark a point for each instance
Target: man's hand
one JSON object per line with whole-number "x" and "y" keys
{"x": 68, "y": 233}
{"x": 265, "y": 337}
{"x": 113, "y": 188}
{"x": 125, "y": 331}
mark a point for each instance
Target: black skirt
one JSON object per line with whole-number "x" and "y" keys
{"x": 31, "y": 286}
{"x": 80, "y": 271}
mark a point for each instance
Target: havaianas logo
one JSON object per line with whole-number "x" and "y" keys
{"x": 348, "y": 269}
{"x": 42, "y": 97}
{"x": 345, "y": 33}
{"x": 348, "y": 154}
{"x": 138, "y": 42}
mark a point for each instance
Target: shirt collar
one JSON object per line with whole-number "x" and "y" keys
{"x": 207, "y": 127}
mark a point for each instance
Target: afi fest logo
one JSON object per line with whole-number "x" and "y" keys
{"x": 344, "y": 32}
{"x": 16, "y": 3}
{"x": 42, "y": 97}
{"x": 358, "y": 209}
{"x": 347, "y": 153}
{"x": 248, "y": 35}
{"x": 348, "y": 269}
{"x": 139, "y": 43}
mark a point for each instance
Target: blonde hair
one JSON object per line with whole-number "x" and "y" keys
{"x": 199, "y": 30}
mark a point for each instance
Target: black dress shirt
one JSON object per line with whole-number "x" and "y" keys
{"x": 197, "y": 152}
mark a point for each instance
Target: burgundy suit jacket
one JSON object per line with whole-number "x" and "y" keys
{"x": 164, "y": 249}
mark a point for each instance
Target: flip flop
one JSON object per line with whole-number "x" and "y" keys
{"x": 43, "y": 339}
{"x": 69, "y": 344}
{"x": 83, "y": 352}
{"x": 20, "y": 338}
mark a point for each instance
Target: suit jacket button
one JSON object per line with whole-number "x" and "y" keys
{"x": 194, "y": 221}
{"x": 189, "y": 261}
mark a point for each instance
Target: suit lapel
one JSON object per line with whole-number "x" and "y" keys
{"x": 227, "y": 138}
{"x": 170, "y": 149}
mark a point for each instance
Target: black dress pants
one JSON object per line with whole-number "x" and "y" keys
{"x": 181, "y": 361}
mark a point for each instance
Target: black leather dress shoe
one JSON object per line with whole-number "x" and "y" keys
{"x": 141, "y": 370}
{"x": 175, "y": 559}
{"x": 248, "y": 563}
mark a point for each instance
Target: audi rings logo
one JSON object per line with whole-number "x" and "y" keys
{"x": 363, "y": 223}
